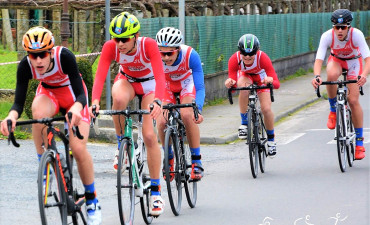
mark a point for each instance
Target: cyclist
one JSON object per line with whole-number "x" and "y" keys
{"x": 140, "y": 73}
{"x": 251, "y": 65}
{"x": 348, "y": 48}
{"x": 61, "y": 89}
{"x": 184, "y": 75}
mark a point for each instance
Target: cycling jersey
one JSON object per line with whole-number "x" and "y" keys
{"x": 146, "y": 62}
{"x": 353, "y": 46}
{"x": 63, "y": 74}
{"x": 261, "y": 68}
{"x": 184, "y": 75}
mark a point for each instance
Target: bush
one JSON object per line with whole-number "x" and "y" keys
{"x": 31, "y": 92}
{"x": 86, "y": 70}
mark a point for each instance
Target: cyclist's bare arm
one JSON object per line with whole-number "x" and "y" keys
{"x": 365, "y": 72}
{"x": 316, "y": 71}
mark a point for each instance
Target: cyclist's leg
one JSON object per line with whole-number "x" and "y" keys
{"x": 354, "y": 103}
{"x": 268, "y": 115}
{"x": 243, "y": 81}
{"x": 43, "y": 105}
{"x": 333, "y": 70}
{"x": 154, "y": 158}
{"x": 86, "y": 170}
{"x": 193, "y": 135}
{"x": 122, "y": 94}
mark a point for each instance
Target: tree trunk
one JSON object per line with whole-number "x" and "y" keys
{"x": 22, "y": 27}
{"x": 82, "y": 30}
{"x": 75, "y": 30}
{"x": 91, "y": 26}
{"x": 56, "y": 26}
{"x": 7, "y": 31}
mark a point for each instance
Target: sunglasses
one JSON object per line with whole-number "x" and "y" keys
{"x": 343, "y": 27}
{"x": 169, "y": 53}
{"x": 123, "y": 40}
{"x": 247, "y": 53}
{"x": 42, "y": 55}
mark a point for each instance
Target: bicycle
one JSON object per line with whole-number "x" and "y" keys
{"x": 132, "y": 159}
{"x": 58, "y": 194}
{"x": 257, "y": 135}
{"x": 175, "y": 136}
{"x": 345, "y": 134}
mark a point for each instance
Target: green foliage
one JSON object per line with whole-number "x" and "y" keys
{"x": 7, "y": 72}
{"x": 19, "y": 134}
{"x": 310, "y": 44}
{"x": 31, "y": 91}
{"x": 4, "y": 109}
{"x": 86, "y": 70}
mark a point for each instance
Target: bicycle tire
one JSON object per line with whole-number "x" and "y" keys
{"x": 262, "y": 151}
{"x": 351, "y": 147}
{"x": 51, "y": 195}
{"x": 144, "y": 201}
{"x": 77, "y": 193}
{"x": 174, "y": 185}
{"x": 253, "y": 146}
{"x": 125, "y": 188}
{"x": 186, "y": 162}
{"x": 341, "y": 138}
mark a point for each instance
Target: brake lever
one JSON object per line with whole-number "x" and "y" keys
{"x": 75, "y": 130}
{"x": 318, "y": 89}
{"x": 151, "y": 107}
{"x": 11, "y": 137}
{"x": 229, "y": 94}
{"x": 195, "y": 110}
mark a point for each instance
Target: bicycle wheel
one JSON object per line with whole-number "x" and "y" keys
{"x": 51, "y": 194}
{"x": 173, "y": 179}
{"x": 190, "y": 187}
{"x": 252, "y": 142}
{"x": 144, "y": 201}
{"x": 262, "y": 151}
{"x": 125, "y": 188}
{"x": 350, "y": 132}
{"x": 77, "y": 192}
{"x": 341, "y": 138}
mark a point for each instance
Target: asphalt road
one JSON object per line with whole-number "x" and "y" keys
{"x": 302, "y": 185}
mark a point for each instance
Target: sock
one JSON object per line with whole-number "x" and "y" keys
{"x": 155, "y": 187}
{"x": 90, "y": 194}
{"x": 170, "y": 153}
{"x": 333, "y": 104}
{"x": 39, "y": 157}
{"x": 118, "y": 140}
{"x": 244, "y": 117}
{"x": 195, "y": 151}
{"x": 270, "y": 135}
{"x": 359, "y": 135}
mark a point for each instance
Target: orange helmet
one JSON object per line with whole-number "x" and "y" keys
{"x": 38, "y": 39}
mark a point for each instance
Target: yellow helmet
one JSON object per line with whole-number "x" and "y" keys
{"x": 124, "y": 25}
{"x": 38, "y": 39}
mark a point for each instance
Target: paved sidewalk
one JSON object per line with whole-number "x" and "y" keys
{"x": 221, "y": 122}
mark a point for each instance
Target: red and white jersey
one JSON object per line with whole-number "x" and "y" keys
{"x": 182, "y": 70}
{"x": 55, "y": 77}
{"x": 353, "y": 46}
{"x": 144, "y": 63}
{"x": 137, "y": 63}
{"x": 261, "y": 67}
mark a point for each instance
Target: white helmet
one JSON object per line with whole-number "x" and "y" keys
{"x": 169, "y": 37}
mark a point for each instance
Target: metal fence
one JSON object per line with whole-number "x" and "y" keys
{"x": 215, "y": 38}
